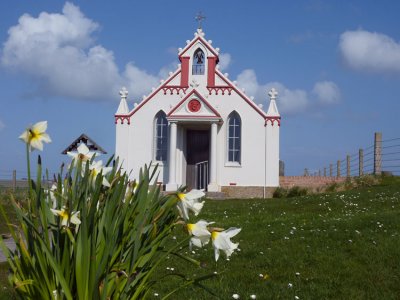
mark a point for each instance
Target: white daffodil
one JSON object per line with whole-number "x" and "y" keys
{"x": 64, "y": 215}
{"x": 35, "y": 135}
{"x": 190, "y": 201}
{"x": 95, "y": 169}
{"x": 52, "y": 198}
{"x": 83, "y": 154}
{"x": 222, "y": 241}
{"x": 201, "y": 236}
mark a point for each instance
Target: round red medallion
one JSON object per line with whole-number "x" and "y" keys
{"x": 194, "y": 105}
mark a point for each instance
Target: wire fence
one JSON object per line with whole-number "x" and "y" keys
{"x": 382, "y": 157}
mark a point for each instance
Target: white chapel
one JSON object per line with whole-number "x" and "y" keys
{"x": 201, "y": 130}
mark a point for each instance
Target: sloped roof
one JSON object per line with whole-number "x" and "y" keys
{"x": 83, "y": 138}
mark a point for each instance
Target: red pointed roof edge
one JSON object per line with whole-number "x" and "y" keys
{"x": 194, "y": 91}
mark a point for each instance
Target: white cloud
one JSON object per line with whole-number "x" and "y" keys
{"x": 224, "y": 61}
{"x": 327, "y": 92}
{"x": 59, "y": 53}
{"x": 290, "y": 101}
{"x": 370, "y": 51}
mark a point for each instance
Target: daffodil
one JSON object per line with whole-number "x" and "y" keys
{"x": 201, "y": 236}
{"x": 35, "y": 135}
{"x": 83, "y": 154}
{"x": 190, "y": 201}
{"x": 222, "y": 241}
{"x": 95, "y": 169}
{"x": 52, "y": 200}
{"x": 64, "y": 215}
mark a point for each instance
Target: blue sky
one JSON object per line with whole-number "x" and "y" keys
{"x": 336, "y": 65}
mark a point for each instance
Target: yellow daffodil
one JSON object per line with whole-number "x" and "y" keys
{"x": 64, "y": 215}
{"x": 35, "y": 135}
{"x": 95, "y": 169}
{"x": 190, "y": 201}
{"x": 222, "y": 241}
{"x": 83, "y": 154}
{"x": 201, "y": 236}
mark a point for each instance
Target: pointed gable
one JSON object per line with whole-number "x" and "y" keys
{"x": 195, "y": 107}
{"x": 196, "y": 42}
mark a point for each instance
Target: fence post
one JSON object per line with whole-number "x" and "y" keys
{"x": 360, "y": 162}
{"x": 324, "y": 171}
{"x": 14, "y": 180}
{"x": 330, "y": 170}
{"x": 348, "y": 165}
{"x": 338, "y": 169}
{"x": 378, "y": 153}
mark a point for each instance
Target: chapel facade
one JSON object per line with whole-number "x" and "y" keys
{"x": 201, "y": 130}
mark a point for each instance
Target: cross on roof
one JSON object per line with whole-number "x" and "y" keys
{"x": 199, "y": 18}
{"x": 123, "y": 92}
{"x": 272, "y": 94}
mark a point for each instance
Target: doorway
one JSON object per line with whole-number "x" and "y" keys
{"x": 197, "y": 158}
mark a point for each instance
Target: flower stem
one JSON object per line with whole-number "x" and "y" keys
{"x": 28, "y": 161}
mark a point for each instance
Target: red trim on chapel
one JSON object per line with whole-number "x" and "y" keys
{"x": 204, "y": 42}
{"x": 202, "y": 99}
{"x": 248, "y": 100}
{"x": 273, "y": 119}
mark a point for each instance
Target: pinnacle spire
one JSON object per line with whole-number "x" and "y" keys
{"x": 273, "y": 109}
{"x": 123, "y": 105}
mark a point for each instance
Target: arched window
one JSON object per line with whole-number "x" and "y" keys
{"x": 160, "y": 137}
{"x": 234, "y": 137}
{"x": 198, "y": 62}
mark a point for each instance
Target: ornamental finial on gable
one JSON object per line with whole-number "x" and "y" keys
{"x": 124, "y": 93}
{"x": 199, "y": 18}
{"x": 272, "y": 94}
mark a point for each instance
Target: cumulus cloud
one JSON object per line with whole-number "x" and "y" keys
{"x": 290, "y": 101}
{"x": 370, "y": 51}
{"x": 59, "y": 52}
{"x": 224, "y": 61}
{"x": 327, "y": 92}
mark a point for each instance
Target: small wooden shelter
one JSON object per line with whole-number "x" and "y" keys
{"x": 83, "y": 138}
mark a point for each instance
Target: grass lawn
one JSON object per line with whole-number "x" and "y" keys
{"x": 343, "y": 245}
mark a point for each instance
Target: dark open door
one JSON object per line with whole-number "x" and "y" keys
{"x": 197, "y": 151}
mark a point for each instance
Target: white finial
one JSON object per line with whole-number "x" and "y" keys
{"x": 226, "y": 74}
{"x": 260, "y": 105}
{"x": 187, "y": 41}
{"x": 179, "y": 50}
{"x": 194, "y": 83}
{"x": 135, "y": 104}
{"x": 144, "y": 97}
{"x": 217, "y": 49}
{"x": 272, "y": 94}
{"x": 170, "y": 73}
{"x": 210, "y": 41}
{"x": 235, "y": 82}
{"x": 124, "y": 93}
